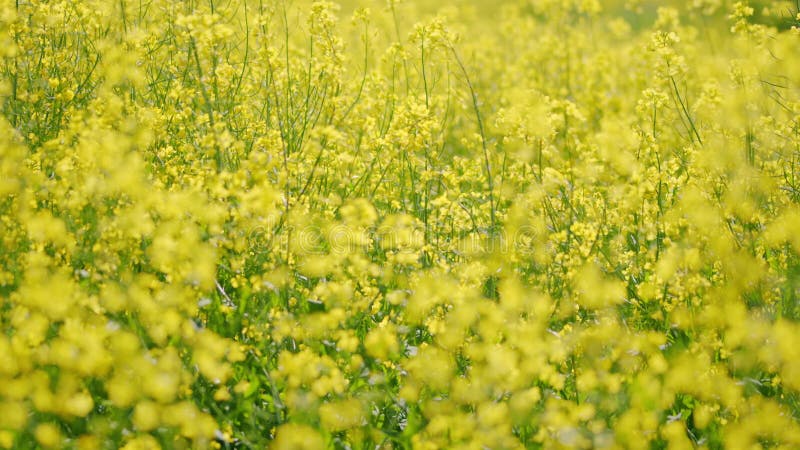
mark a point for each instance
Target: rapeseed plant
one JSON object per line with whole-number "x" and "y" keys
{"x": 310, "y": 224}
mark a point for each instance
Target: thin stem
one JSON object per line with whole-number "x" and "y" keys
{"x": 400, "y": 41}
{"x": 685, "y": 111}
{"x": 484, "y": 145}
{"x": 207, "y": 99}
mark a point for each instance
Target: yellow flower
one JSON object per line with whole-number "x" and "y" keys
{"x": 292, "y": 436}
{"x": 146, "y": 416}
{"x": 6, "y": 439}
{"x": 381, "y": 342}
{"x": 48, "y": 435}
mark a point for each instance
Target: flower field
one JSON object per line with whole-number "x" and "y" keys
{"x": 465, "y": 224}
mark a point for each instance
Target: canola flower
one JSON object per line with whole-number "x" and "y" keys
{"x": 309, "y": 225}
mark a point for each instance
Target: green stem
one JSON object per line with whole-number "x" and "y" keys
{"x": 484, "y": 145}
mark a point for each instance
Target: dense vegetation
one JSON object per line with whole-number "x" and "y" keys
{"x": 296, "y": 225}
